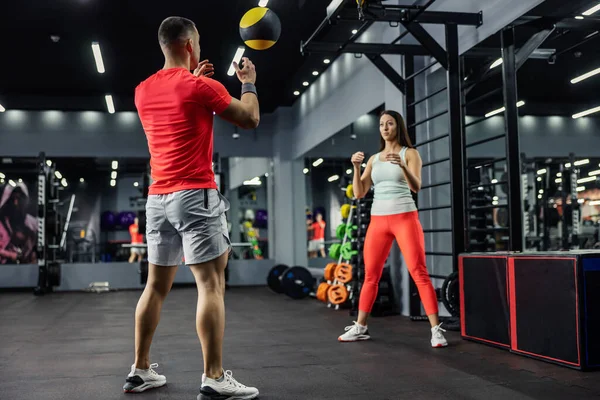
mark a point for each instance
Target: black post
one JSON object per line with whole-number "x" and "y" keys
{"x": 546, "y": 206}
{"x": 457, "y": 145}
{"x": 409, "y": 69}
{"x": 574, "y": 204}
{"x": 42, "y": 253}
{"x": 511, "y": 122}
{"x": 414, "y": 302}
{"x": 563, "y": 196}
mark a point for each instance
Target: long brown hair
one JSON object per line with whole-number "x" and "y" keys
{"x": 401, "y": 132}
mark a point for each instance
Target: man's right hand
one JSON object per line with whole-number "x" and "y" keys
{"x": 358, "y": 158}
{"x": 247, "y": 74}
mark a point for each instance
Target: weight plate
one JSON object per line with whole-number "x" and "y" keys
{"x": 450, "y": 294}
{"x": 322, "y": 292}
{"x": 297, "y": 282}
{"x": 340, "y": 231}
{"x": 345, "y": 210}
{"x": 329, "y": 271}
{"x": 274, "y": 277}
{"x": 337, "y": 294}
{"x": 343, "y": 273}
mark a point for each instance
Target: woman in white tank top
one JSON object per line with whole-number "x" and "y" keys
{"x": 394, "y": 172}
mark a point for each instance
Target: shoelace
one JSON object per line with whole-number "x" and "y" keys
{"x": 151, "y": 369}
{"x": 437, "y": 329}
{"x": 229, "y": 376}
{"x": 353, "y": 327}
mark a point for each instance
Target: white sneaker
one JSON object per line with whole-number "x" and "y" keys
{"x": 437, "y": 338}
{"x": 225, "y": 388}
{"x": 140, "y": 380}
{"x": 355, "y": 333}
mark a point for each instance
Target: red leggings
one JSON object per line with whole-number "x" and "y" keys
{"x": 406, "y": 229}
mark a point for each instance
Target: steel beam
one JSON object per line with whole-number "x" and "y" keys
{"x": 457, "y": 147}
{"x": 410, "y": 114}
{"x": 389, "y": 72}
{"x": 531, "y": 45}
{"x": 365, "y": 48}
{"x": 492, "y": 52}
{"x": 333, "y": 10}
{"x": 398, "y": 14}
{"x": 522, "y": 55}
{"x": 414, "y": 302}
{"x": 511, "y": 118}
{"x": 586, "y": 24}
{"x": 428, "y": 42}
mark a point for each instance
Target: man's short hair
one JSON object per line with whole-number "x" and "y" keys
{"x": 174, "y": 29}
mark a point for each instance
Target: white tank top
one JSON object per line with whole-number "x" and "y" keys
{"x": 392, "y": 194}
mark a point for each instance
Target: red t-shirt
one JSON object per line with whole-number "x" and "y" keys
{"x": 136, "y": 237}
{"x": 176, "y": 111}
{"x": 318, "y": 230}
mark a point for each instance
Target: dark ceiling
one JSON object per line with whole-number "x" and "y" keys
{"x": 545, "y": 84}
{"x": 38, "y": 73}
{"x": 42, "y": 74}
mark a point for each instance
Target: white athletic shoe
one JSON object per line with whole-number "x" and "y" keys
{"x": 355, "y": 333}
{"x": 140, "y": 380}
{"x": 225, "y": 388}
{"x": 437, "y": 338}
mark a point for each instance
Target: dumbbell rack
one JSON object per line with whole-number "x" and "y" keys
{"x": 363, "y": 219}
{"x": 340, "y": 258}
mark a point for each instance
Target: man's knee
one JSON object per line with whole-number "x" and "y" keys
{"x": 161, "y": 289}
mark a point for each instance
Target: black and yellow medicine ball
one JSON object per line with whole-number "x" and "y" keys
{"x": 260, "y": 28}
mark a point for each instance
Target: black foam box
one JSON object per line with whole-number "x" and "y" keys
{"x": 555, "y": 307}
{"x": 484, "y": 308}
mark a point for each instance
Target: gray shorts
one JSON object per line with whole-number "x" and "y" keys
{"x": 188, "y": 223}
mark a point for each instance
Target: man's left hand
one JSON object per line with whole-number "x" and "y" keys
{"x": 204, "y": 69}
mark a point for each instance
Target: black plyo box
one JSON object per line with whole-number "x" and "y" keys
{"x": 484, "y": 307}
{"x": 555, "y": 307}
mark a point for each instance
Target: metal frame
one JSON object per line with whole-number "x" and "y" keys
{"x": 510, "y": 64}
{"x": 411, "y": 17}
{"x": 521, "y": 56}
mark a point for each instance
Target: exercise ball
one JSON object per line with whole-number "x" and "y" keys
{"x": 261, "y": 220}
{"x": 260, "y": 28}
{"x": 108, "y": 220}
{"x": 126, "y": 218}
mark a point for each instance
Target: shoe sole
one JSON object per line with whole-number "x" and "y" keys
{"x": 225, "y": 397}
{"x": 144, "y": 387}
{"x": 355, "y": 340}
{"x": 438, "y": 346}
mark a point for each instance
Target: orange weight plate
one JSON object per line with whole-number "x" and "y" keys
{"x": 322, "y": 292}
{"x": 343, "y": 273}
{"x": 337, "y": 294}
{"x": 330, "y": 271}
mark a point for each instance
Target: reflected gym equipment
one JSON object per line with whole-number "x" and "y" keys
{"x": 52, "y": 228}
{"x": 553, "y": 210}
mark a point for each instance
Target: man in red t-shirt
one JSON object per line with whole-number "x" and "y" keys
{"x": 136, "y": 238}
{"x": 185, "y": 212}
{"x": 317, "y": 243}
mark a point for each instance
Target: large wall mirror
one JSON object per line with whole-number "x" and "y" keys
{"x": 95, "y": 211}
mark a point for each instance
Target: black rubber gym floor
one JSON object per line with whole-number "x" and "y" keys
{"x": 80, "y": 346}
